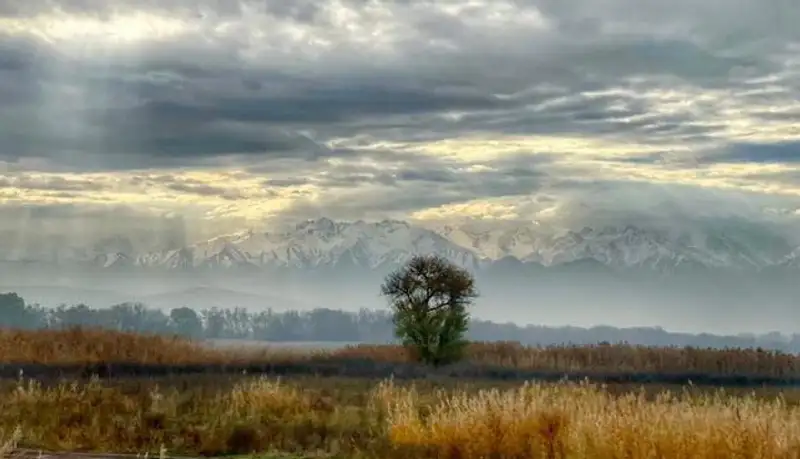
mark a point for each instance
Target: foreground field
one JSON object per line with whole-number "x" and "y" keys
{"x": 435, "y": 416}
{"x": 388, "y": 419}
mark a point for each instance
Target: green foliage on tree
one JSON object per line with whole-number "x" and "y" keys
{"x": 429, "y": 297}
{"x": 14, "y": 313}
{"x": 186, "y": 322}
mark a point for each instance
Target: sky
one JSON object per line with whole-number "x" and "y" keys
{"x": 223, "y": 114}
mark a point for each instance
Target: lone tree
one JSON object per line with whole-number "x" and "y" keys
{"x": 429, "y": 297}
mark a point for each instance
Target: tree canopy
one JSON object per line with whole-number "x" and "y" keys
{"x": 429, "y": 297}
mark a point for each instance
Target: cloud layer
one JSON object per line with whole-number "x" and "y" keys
{"x": 233, "y": 113}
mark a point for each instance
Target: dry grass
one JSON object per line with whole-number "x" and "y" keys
{"x": 578, "y": 421}
{"x": 84, "y": 346}
{"x": 391, "y": 420}
{"x": 9, "y": 442}
{"x": 94, "y": 346}
{"x": 425, "y": 419}
{"x": 251, "y": 415}
{"x": 612, "y": 358}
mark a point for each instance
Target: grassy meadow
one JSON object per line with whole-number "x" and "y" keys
{"x": 435, "y": 417}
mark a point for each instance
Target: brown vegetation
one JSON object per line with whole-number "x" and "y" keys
{"x": 583, "y": 421}
{"x": 434, "y": 418}
{"x": 252, "y": 415}
{"x": 357, "y": 418}
{"x": 85, "y": 346}
{"x": 612, "y": 358}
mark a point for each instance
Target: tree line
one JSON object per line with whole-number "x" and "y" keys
{"x": 213, "y": 323}
{"x": 371, "y": 326}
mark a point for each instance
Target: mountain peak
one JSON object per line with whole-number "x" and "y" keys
{"x": 323, "y": 242}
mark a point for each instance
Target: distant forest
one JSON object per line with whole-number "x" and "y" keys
{"x": 367, "y": 326}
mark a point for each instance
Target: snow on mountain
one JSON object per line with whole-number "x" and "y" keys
{"x": 313, "y": 244}
{"x": 497, "y": 243}
{"x": 113, "y": 259}
{"x": 620, "y": 247}
{"x": 326, "y": 243}
{"x": 630, "y": 247}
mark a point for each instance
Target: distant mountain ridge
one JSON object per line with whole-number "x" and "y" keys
{"x": 324, "y": 243}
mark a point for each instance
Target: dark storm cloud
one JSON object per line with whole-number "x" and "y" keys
{"x": 649, "y": 158}
{"x": 327, "y": 102}
{"x": 301, "y": 10}
{"x": 428, "y": 175}
{"x": 789, "y": 177}
{"x": 151, "y": 135}
{"x": 286, "y": 182}
{"x": 628, "y": 117}
{"x": 421, "y": 183}
{"x": 784, "y": 152}
{"x": 161, "y": 113}
{"x": 212, "y": 93}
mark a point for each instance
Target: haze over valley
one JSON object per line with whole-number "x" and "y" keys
{"x": 527, "y": 274}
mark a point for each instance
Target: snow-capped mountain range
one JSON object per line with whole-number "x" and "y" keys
{"x": 372, "y": 245}
{"x": 311, "y": 244}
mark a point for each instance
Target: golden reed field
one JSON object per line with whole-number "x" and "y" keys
{"x": 80, "y": 346}
{"x": 428, "y": 418}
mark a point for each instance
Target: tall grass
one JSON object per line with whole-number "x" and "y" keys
{"x": 617, "y": 358}
{"x": 9, "y": 441}
{"x": 90, "y": 345}
{"x": 83, "y": 346}
{"x": 255, "y": 414}
{"x": 579, "y": 421}
{"x": 392, "y": 420}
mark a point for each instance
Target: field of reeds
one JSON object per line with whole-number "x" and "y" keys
{"x": 390, "y": 419}
{"x": 435, "y": 416}
{"x": 102, "y": 347}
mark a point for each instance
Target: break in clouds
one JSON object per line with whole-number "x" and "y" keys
{"x": 232, "y": 113}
